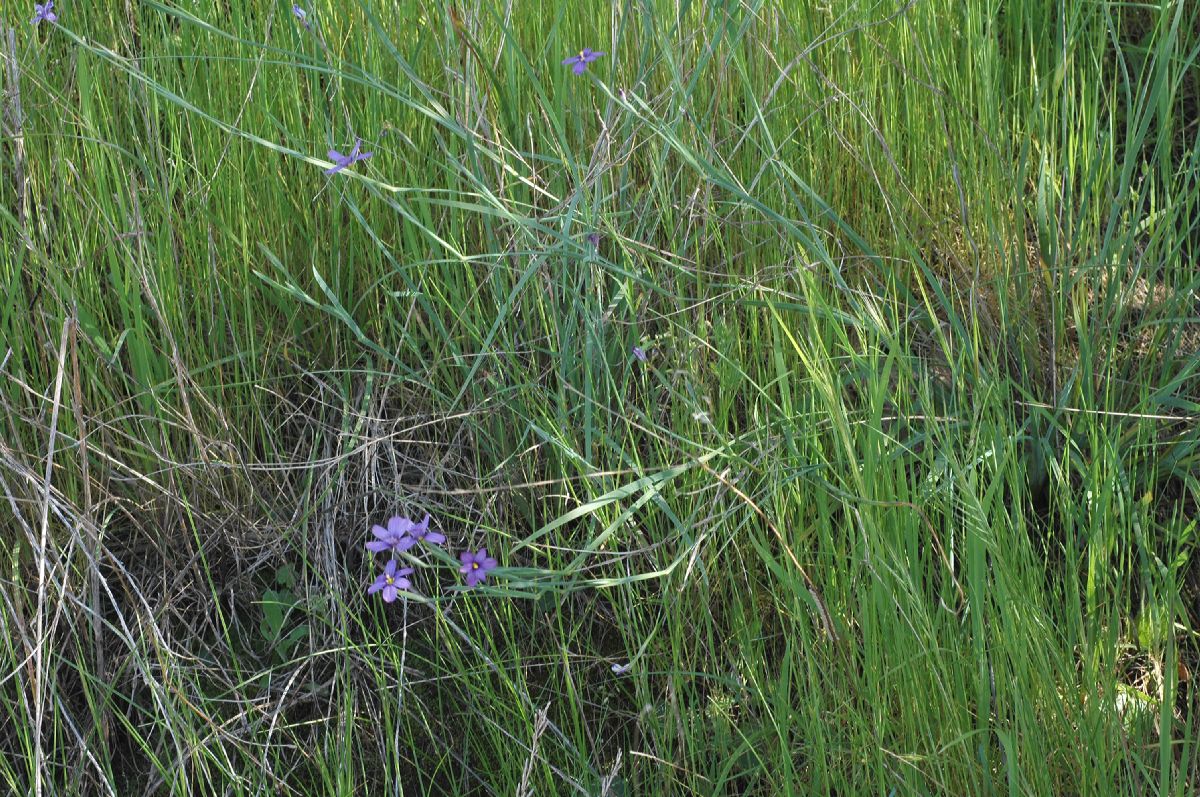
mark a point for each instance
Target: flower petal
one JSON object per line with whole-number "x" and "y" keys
{"x": 381, "y": 532}
{"x": 400, "y": 525}
{"x": 378, "y": 546}
{"x": 389, "y": 593}
{"x": 572, "y": 60}
{"x": 580, "y": 67}
{"x": 435, "y": 538}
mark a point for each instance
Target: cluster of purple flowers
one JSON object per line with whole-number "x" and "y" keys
{"x": 400, "y": 535}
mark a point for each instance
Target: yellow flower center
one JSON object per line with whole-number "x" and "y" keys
{"x": 390, "y": 580}
{"x": 582, "y": 55}
{"x": 474, "y": 565}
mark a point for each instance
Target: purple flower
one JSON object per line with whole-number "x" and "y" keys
{"x": 593, "y": 238}
{"x": 476, "y": 566}
{"x": 640, "y": 353}
{"x": 420, "y": 532}
{"x": 343, "y": 161}
{"x": 585, "y": 57}
{"x": 300, "y": 14}
{"x": 44, "y": 12}
{"x": 395, "y": 538}
{"x": 391, "y": 581}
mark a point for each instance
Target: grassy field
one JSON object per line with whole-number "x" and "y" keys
{"x": 902, "y": 499}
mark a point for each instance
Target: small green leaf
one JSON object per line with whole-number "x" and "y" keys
{"x": 286, "y": 576}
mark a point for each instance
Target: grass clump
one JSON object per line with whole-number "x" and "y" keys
{"x": 822, "y": 377}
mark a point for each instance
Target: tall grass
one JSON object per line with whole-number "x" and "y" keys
{"x": 903, "y": 500}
